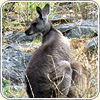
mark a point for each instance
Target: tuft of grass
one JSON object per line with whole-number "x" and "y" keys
{"x": 27, "y": 50}
{"x": 36, "y": 42}
{"x": 13, "y": 91}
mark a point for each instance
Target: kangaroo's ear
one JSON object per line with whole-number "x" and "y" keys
{"x": 39, "y": 11}
{"x": 46, "y": 9}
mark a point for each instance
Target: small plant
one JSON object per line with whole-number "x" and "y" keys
{"x": 36, "y": 42}
{"x": 5, "y": 82}
{"x": 13, "y": 91}
{"x": 4, "y": 91}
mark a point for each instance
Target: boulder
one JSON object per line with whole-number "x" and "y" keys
{"x": 14, "y": 63}
{"x": 11, "y": 37}
{"x": 91, "y": 44}
{"x": 81, "y": 28}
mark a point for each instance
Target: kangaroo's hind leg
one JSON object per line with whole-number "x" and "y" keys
{"x": 64, "y": 76}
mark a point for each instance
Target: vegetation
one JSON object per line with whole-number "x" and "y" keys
{"x": 17, "y": 15}
{"x": 89, "y": 60}
{"x": 14, "y": 91}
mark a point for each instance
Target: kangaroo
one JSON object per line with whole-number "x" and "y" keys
{"x": 49, "y": 70}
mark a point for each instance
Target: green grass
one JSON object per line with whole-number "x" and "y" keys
{"x": 12, "y": 91}
{"x": 4, "y": 89}
{"x": 36, "y": 41}
{"x": 26, "y": 11}
{"x": 3, "y": 20}
{"x": 15, "y": 23}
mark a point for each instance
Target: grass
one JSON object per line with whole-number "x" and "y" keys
{"x": 13, "y": 91}
{"x": 89, "y": 60}
{"x": 15, "y": 23}
{"x": 36, "y": 42}
{"x": 25, "y": 12}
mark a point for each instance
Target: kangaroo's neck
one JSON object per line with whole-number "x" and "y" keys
{"x": 48, "y": 34}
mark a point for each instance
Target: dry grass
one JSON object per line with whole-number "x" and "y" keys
{"x": 30, "y": 49}
{"x": 89, "y": 60}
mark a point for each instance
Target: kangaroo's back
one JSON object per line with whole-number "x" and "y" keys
{"x": 48, "y": 73}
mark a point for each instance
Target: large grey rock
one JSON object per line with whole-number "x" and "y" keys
{"x": 11, "y": 37}
{"x": 81, "y": 28}
{"x": 65, "y": 17}
{"x": 24, "y": 46}
{"x": 14, "y": 63}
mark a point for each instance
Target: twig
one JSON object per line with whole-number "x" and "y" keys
{"x": 30, "y": 85}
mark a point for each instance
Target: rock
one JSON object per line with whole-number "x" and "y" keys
{"x": 14, "y": 63}
{"x": 10, "y": 37}
{"x": 9, "y": 33}
{"x": 64, "y": 18}
{"x": 91, "y": 44}
{"x": 18, "y": 46}
{"x": 81, "y": 28}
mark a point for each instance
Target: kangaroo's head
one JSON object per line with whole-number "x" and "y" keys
{"x": 40, "y": 24}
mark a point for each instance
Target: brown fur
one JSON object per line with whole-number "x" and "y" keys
{"x": 49, "y": 71}
{"x": 41, "y": 64}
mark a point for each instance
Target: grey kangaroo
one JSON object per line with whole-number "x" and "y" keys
{"x": 49, "y": 71}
